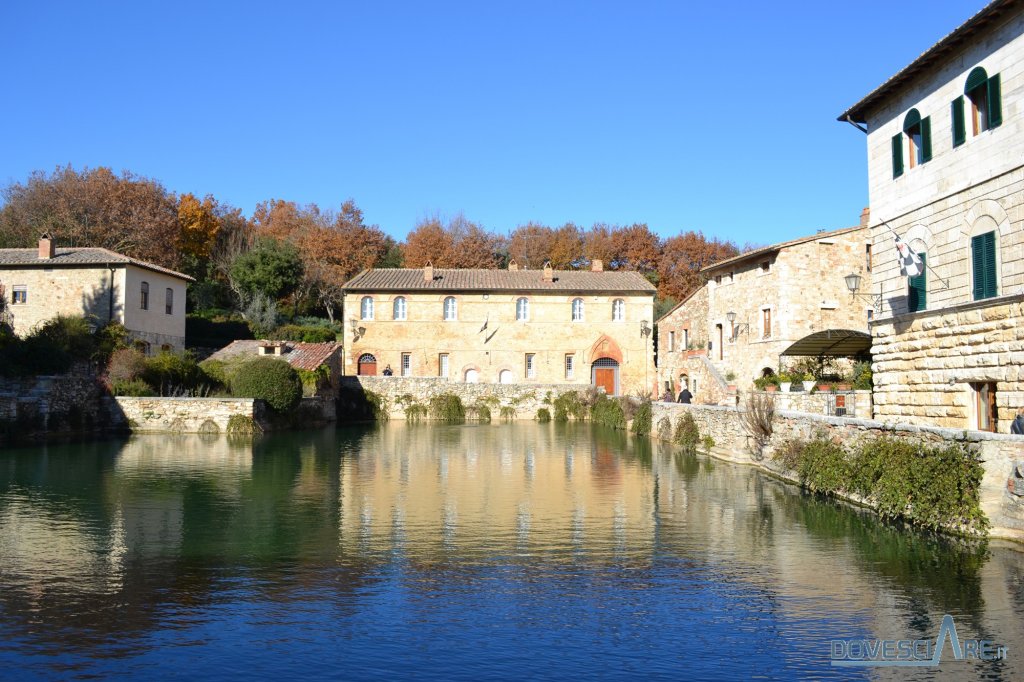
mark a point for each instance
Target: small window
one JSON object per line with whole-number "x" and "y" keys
{"x": 686, "y": 339}
{"x": 144, "y": 301}
{"x": 983, "y": 265}
{"x": 766, "y": 267}
{"x": 143, "y": 347}
{"x": 442, "y": 365}
{"x": 531, "y": 366}
{"x": 766, "y": 323}
{"x": 577, "y": 310}
{"x": 985, "y": 406}
{"x": 732, "y": 276}
{"x": 718, "y": 279}
{"x": 919, "y": 138}
{"x": 366, "y": 308}
{"x": 570, "y": 366}
{"x": 867, "y": 257}
{"x": 450, "y": 309}
{"x": 398, "y": 308}
{"x": 917, "y": 288}
{"x": 618, "y": 310}
{"x": 169, "y": 302}
{"x": 984, "y": 93}
{"x": 671, "y": 342}
{"x": 522, "y": 309}
{"x": 406, "y": 364}
{"x": 19, "y": 295}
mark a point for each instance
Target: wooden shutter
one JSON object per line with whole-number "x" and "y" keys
{"x": 983, "y": 260}
{"x": 926, "y": 139}
{"x": 959, "y": 125}
{"x": 897, "y": 155}
{"x": 995, "y": 102}
{"x": 917, "y": 292}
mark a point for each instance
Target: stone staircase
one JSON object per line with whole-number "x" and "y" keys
{"x": 721, "y": 392}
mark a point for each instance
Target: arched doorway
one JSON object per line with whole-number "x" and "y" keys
{"x": 367, "y": 366}
{"x": 684, "y": 381}
{"x": 505, "y": 376}
{"x": 604, "y": 373}
{"x": 472, "y": 376}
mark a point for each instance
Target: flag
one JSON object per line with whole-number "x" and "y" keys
{"x": 910, "y": 262}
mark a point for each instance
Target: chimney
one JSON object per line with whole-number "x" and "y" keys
{"x": 597, "y": 265}
{"x": 549, "y": 273}
{"x": 513, "y": 266}
{"x": 865, "y": 216}
{"x": 47, "y": 249}
{"x": 428, "y": 272}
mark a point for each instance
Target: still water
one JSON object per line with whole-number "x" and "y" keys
{"x": 467, "y": 552}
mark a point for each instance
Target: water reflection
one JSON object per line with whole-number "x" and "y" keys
{"x": 539, "y": 550}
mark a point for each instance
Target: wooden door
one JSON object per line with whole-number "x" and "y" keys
{"x": 604, "y": 377}
{"x": 367, "y": 368}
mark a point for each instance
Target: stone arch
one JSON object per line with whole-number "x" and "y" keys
{"x": 506, "y": 376}
{"x": 604, "y": 347}
{"x": 982, "y": 216}
{"x": 466, "y": 372}
{"x": 919, "y": 238}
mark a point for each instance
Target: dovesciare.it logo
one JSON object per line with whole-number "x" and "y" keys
{"x": 865, "y": 653}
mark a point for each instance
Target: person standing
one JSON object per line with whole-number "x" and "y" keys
{"x": 387, "y": 371}
{"x": 685, "y": 396}
{"x": 1018, "y": 423}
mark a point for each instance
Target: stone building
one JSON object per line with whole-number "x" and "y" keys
{"x": 309, "y": 357}
{"x": 503, "y": 326}
{"x": 761, "y": 304}
{"x": 945, "y": 141}
{"x": 149, "y": 300}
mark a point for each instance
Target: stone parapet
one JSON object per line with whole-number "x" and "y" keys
{"x": 183, "y": 415}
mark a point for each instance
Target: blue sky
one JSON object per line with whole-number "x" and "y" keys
{"x": 714, "y": 116}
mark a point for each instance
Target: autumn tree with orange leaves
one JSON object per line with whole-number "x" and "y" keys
{"x": 457, "y": 243}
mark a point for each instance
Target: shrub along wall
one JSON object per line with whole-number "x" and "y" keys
{"x": 874, "y": 463}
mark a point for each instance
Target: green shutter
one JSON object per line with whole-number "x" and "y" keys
{"x": 917, "y": 292}
{"x": 926, "y": 139}
{"x": 983, "y": 260}
{"x": 897, "y": 155}
{"x": 975, "y": 79}
{"x": 959, "y": 126}
{"x": 995, "y": 102}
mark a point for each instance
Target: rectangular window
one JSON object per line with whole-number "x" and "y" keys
{"x": 671, "y": 342}
{"x": 531, "y": 366}
{"x": 983, "y": 262}
{"x": 144, "y": 296}
{"x": 766, "y": 323}
{"x": 406, "y": 364}
{"x": 867, "y": 257}
{"x": 169, "y": 303}
{"x": 985, "y": 406}
{"x": 570, "y": 366}
{"x": 442, "y": 365}
{"x": 766, "y": 266}
{"x": 19, "y": 294}
{"x": 686, "y": 339}
{"x": 718, "y": 279}
{"x": 917, "y": 288}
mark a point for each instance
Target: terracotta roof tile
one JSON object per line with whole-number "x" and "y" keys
{"x": 300, "y": 355}
{"x": 79, "y": 256}
{"x": 410, "y": 279}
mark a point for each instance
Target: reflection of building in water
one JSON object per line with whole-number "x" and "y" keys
{"x": 491, "y": 489}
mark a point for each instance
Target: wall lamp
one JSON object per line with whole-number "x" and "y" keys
{"x": 736, "y": 328}
{"x": 853, "y": 284}
{"x": 645, "y": 328}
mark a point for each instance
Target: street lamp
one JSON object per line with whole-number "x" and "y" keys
{"x": 853, "y": 284}
{"x": 731, "y": 316}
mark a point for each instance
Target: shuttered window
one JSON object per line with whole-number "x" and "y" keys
{"x": 985, "y": 94}
{"x": 919, "y": 138}
{"x": 917, "y": 288}
{"x": 959, "y": 123}
{"x": 897, "y": 155}
{"x": 983, "y": 264}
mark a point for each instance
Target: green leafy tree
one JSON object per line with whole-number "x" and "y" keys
{"x": 272, "y": 268}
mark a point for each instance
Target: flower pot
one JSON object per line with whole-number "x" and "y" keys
{"x": 825, "y": 387}
{"x": 784, "y": 386}
{"x": 771, "y": 388}
{"x": 808, "y": 385}
{"x": 844, "y": 387}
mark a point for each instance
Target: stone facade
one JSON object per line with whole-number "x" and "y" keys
{"x": 491, "y": 341}
{"x": 525, "y": 399}
{"x": 959, "y": 353}
{"x": 183, "y": 415}
{"x": 999, "y": 453}
{"x": 779, "y": 294}
{"x": 77, "y": 282}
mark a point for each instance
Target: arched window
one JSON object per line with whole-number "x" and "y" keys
{"x": 618, "y": 310}
{"x": 450, "y": 309}
{"x": 986, "y": 100}
{"x": 169, "y": 302}
{"x": 919, "y": 138}
{"x": 366, "y": 308}
{"x": 577, "y": 310}
{"x": 522, "y": 309}
{"x": 145, "y": 296}
{"x": 367, "y": 365}
{"x": 399, "y": 308}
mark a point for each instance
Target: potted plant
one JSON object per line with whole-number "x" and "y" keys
{"x": 785, "y": 382}
{"x": 807, "y": 379}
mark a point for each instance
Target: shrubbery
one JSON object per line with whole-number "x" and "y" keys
{"x": 687, "y": 435}
{"x": 56, "y": 344}
{"x": 642, "y": 419}
{"x": 608, "y": 412}
{"x": 130, "y": 373}
{"x": 306, "y": 334}
{"x": 543, "y": 415}
{"x": 447, "y": 407}
{"x": 271, "y": 380}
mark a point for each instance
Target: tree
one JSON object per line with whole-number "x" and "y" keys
{"x": 530, "y": 244}
{"x": 429, "y": 242}
{"x": 598, "y": 244}
{"x": 129, "y": 214}
{"x": 272, "y": 268}
{"x": 198, "y": 232}
{"x": 682, "y": 259}
{"x": 636, "y": 248}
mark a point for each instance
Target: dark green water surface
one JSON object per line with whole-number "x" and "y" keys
{"x": 517, "y": 551}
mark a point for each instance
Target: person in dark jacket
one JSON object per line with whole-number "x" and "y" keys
{"x": 387, "y": 371}
{"x": 685, "y": 396}
{"x": 1018, "y": 424}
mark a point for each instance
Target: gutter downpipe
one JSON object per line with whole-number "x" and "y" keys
{"x": 856, "y": 125}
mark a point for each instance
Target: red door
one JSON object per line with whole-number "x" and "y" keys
{"x": 605, "y": 378}
{"x": 367, "y": 366}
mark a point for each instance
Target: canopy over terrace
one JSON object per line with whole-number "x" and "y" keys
{"x": 834, "y": 343}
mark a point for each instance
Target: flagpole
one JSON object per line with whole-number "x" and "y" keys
{"x": 945, "y": 282}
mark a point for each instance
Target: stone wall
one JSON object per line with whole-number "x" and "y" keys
{"x": 182, "y": 415}
{"x": 999, "y": 453}
{"x": 52, "y": 404}
{"x": 525, "y": 399}
{"x": 856, "y": 403}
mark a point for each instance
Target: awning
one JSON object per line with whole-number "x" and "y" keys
{"x": 833, "y": 343}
